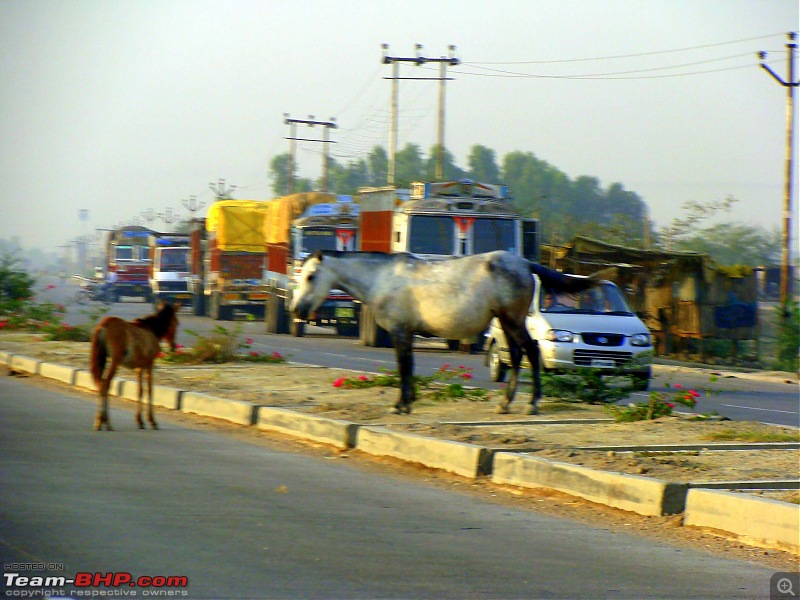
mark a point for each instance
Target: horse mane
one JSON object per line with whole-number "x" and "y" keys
{"x": 377, "y": 256}
{"x": 159, "y": 322}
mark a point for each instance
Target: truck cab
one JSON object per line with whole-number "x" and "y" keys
{"x": 437, "y": 221}
{"x": 170, "y": 266}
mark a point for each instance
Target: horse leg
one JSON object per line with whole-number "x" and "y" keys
{"x": 511, "y": 387}
{"x": 404, "y": 350}
{"x": 532, "y": 350}
{"x": 101, "y": 418}
{"x": 150, "y": 417}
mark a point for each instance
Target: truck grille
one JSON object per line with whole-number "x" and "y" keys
{"x": 172, "y": 286}
{"x": 583, "y": 358}
{"x": 602, "y": 339}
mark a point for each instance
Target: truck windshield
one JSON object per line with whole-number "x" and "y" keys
{"x": 318, "y": 239}
{"x": 431, "y": 235}
{"x": 174, "y": 259}
{"x": 493, "y": 234}
{"x": 124, "y": 253}
{"x": 606, "y": 299}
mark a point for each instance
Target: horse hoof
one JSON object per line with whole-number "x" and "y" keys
{"x": 502, "y": 410}
{"x": 400, "y": 410}
{"x": 154, "y": 425}
{"x": 533, "y": 410}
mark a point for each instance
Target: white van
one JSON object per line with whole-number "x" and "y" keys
{"x": 594, "y": 329}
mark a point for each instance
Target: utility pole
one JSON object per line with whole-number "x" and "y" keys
{"x": 220, "y": 191}
{"x": 292, "y": 123}
{"x": 789, "y": 84}
{"x": 418, "y": 60}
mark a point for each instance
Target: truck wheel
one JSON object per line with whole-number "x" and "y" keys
{"x": 275, "y": 315}
{"x": 216, "y": 311}
{"x": 297, "y": 328}
{"x": 347, "y": 329}
{"x": 497, "y": 368}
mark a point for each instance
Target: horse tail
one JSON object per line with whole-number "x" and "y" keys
{"x": 98, "y": 354}
{"x": 556, "y": 281}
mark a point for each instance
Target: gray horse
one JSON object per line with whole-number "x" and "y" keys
{"x": 452, "y": 299}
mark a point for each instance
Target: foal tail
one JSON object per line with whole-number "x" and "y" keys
{"x": 98, "y": 354}
{"x": 556, "y": 281}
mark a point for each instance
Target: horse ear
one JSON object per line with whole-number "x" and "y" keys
{"x": 318, "y": 255}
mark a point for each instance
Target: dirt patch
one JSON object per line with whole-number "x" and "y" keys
{"x": 562, "y": 431}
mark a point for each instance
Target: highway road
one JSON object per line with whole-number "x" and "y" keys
{"x": 225, "y": 516}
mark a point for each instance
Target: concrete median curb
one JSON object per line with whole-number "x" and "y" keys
{"x": 235, "y": 411}
{"x": 24, "y": 364}
{"x": 764, "y": 522}
{"x": 460, "y": 458}
{"x": 759, "y": 520}
{"x": 164, "y": 396}
{"x": 652, "y": 497}
{"x": 60, "y": 373}
{"x": 341, "y": 434}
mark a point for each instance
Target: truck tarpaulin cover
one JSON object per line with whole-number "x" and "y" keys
{"x": 282, "y": 211}
{"x": 238, "y": 224}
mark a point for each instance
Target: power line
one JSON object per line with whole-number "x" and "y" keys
{"x": 634, "y": 55}
{"x": 606, "y": 76}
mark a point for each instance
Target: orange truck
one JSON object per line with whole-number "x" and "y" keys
{"x": 436, "y": 221}
{"x": 228, "y": 259}
{"x": 296, "y": 226}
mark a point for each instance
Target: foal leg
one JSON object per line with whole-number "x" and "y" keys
{"x": 139, "y": 399}
{"x": 101, "y": 418}
{"x": 404, "y": 350}
{"x": 150, "y": 418}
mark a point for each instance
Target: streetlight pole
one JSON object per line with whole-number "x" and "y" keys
{"x": 220, "y": 191}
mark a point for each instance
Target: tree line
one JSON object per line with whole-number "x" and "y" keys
{"x": 567, "y": 207}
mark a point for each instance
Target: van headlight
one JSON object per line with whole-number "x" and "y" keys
{"x": 559, "y": 335}
{"x": 640, "y": 339}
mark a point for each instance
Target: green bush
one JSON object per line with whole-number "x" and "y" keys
{"x": 788, "y": 321}
{"x": 586, "y": 385}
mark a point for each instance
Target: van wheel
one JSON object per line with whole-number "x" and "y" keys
{"x": 497, "y": 368}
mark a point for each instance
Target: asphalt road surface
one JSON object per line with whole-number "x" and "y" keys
{"x": 238, "y": 519}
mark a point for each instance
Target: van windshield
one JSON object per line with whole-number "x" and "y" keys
{"x": 605, "y": 299}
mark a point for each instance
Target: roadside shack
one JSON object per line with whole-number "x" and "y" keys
{"x": 683, "y": 297}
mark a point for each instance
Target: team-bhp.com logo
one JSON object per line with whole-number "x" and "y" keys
{"x": 83, "y": 584}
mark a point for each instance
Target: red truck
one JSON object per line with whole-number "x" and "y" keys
{"x": 128, "y": 255}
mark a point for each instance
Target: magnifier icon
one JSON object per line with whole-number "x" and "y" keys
{"x": 784, "y": 586}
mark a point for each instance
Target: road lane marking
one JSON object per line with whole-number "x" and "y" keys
{"x": 788, "y": 412}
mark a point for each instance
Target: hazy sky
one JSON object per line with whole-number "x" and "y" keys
{"x": 119, "y": 106}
